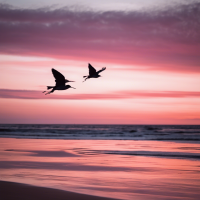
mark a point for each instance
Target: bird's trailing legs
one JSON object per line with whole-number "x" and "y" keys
{"x": 48, "y": 87}
{"x": 50, "y": 92}
{"x": 85, "y": 77}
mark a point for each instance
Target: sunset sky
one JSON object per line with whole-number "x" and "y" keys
{"x": 150, "y": 48}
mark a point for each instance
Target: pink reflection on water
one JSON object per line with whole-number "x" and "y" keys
{"x": 93, "y": 167}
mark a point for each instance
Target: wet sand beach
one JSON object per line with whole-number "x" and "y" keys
{"x": 13, "y": 191}
{"x": 119, "y": 169}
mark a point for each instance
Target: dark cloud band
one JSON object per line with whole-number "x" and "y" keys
{"x": 163, "y": 39}
{"x": 33, "y": 94}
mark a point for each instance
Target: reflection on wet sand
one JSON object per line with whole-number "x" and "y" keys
{"x": 109, "y": 168}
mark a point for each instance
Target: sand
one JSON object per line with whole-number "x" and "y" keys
{"x": 14, "y": 191}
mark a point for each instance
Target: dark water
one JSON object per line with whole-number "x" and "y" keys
{"x": 190, "y": 133}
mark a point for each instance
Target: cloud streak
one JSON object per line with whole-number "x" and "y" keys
{"x": 165, "y": 40}
{"x": 33, "y": 94}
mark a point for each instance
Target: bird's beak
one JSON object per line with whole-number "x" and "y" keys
{"x": 73, "y": 87}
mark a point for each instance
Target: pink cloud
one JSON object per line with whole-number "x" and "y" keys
{"x": 163, "y": 40}
{"x": 33, "y": 94}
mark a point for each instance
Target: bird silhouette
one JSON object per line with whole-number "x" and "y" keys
{"x": 60, "y": 82}
{"x": 93, "y": 73}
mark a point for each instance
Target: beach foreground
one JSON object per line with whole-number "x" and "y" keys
{"x": 119, "y": 169}
{"x": 13, "y": 191}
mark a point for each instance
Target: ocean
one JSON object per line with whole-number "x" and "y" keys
{"x": 103, "y": 132}
{"x": 130, "y": 162}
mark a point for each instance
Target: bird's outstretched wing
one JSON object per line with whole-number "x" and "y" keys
{"x": 92, "y": 70}
{"x": 66, "y": 81}
{"x": 101, "y": 70}
{"x": 60, "y": 79}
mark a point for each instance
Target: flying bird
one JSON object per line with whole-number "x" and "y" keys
{"x": 93, "y": 73}
{"x": 60, "y": 82}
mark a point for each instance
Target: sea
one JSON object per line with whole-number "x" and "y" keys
{"x": 130, "y": 162}
{"x": 182, "y": 133}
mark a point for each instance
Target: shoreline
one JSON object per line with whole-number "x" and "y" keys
{"x": 13, "y": 191}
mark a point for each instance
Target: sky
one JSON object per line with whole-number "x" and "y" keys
{"x": 150, "y": 48}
